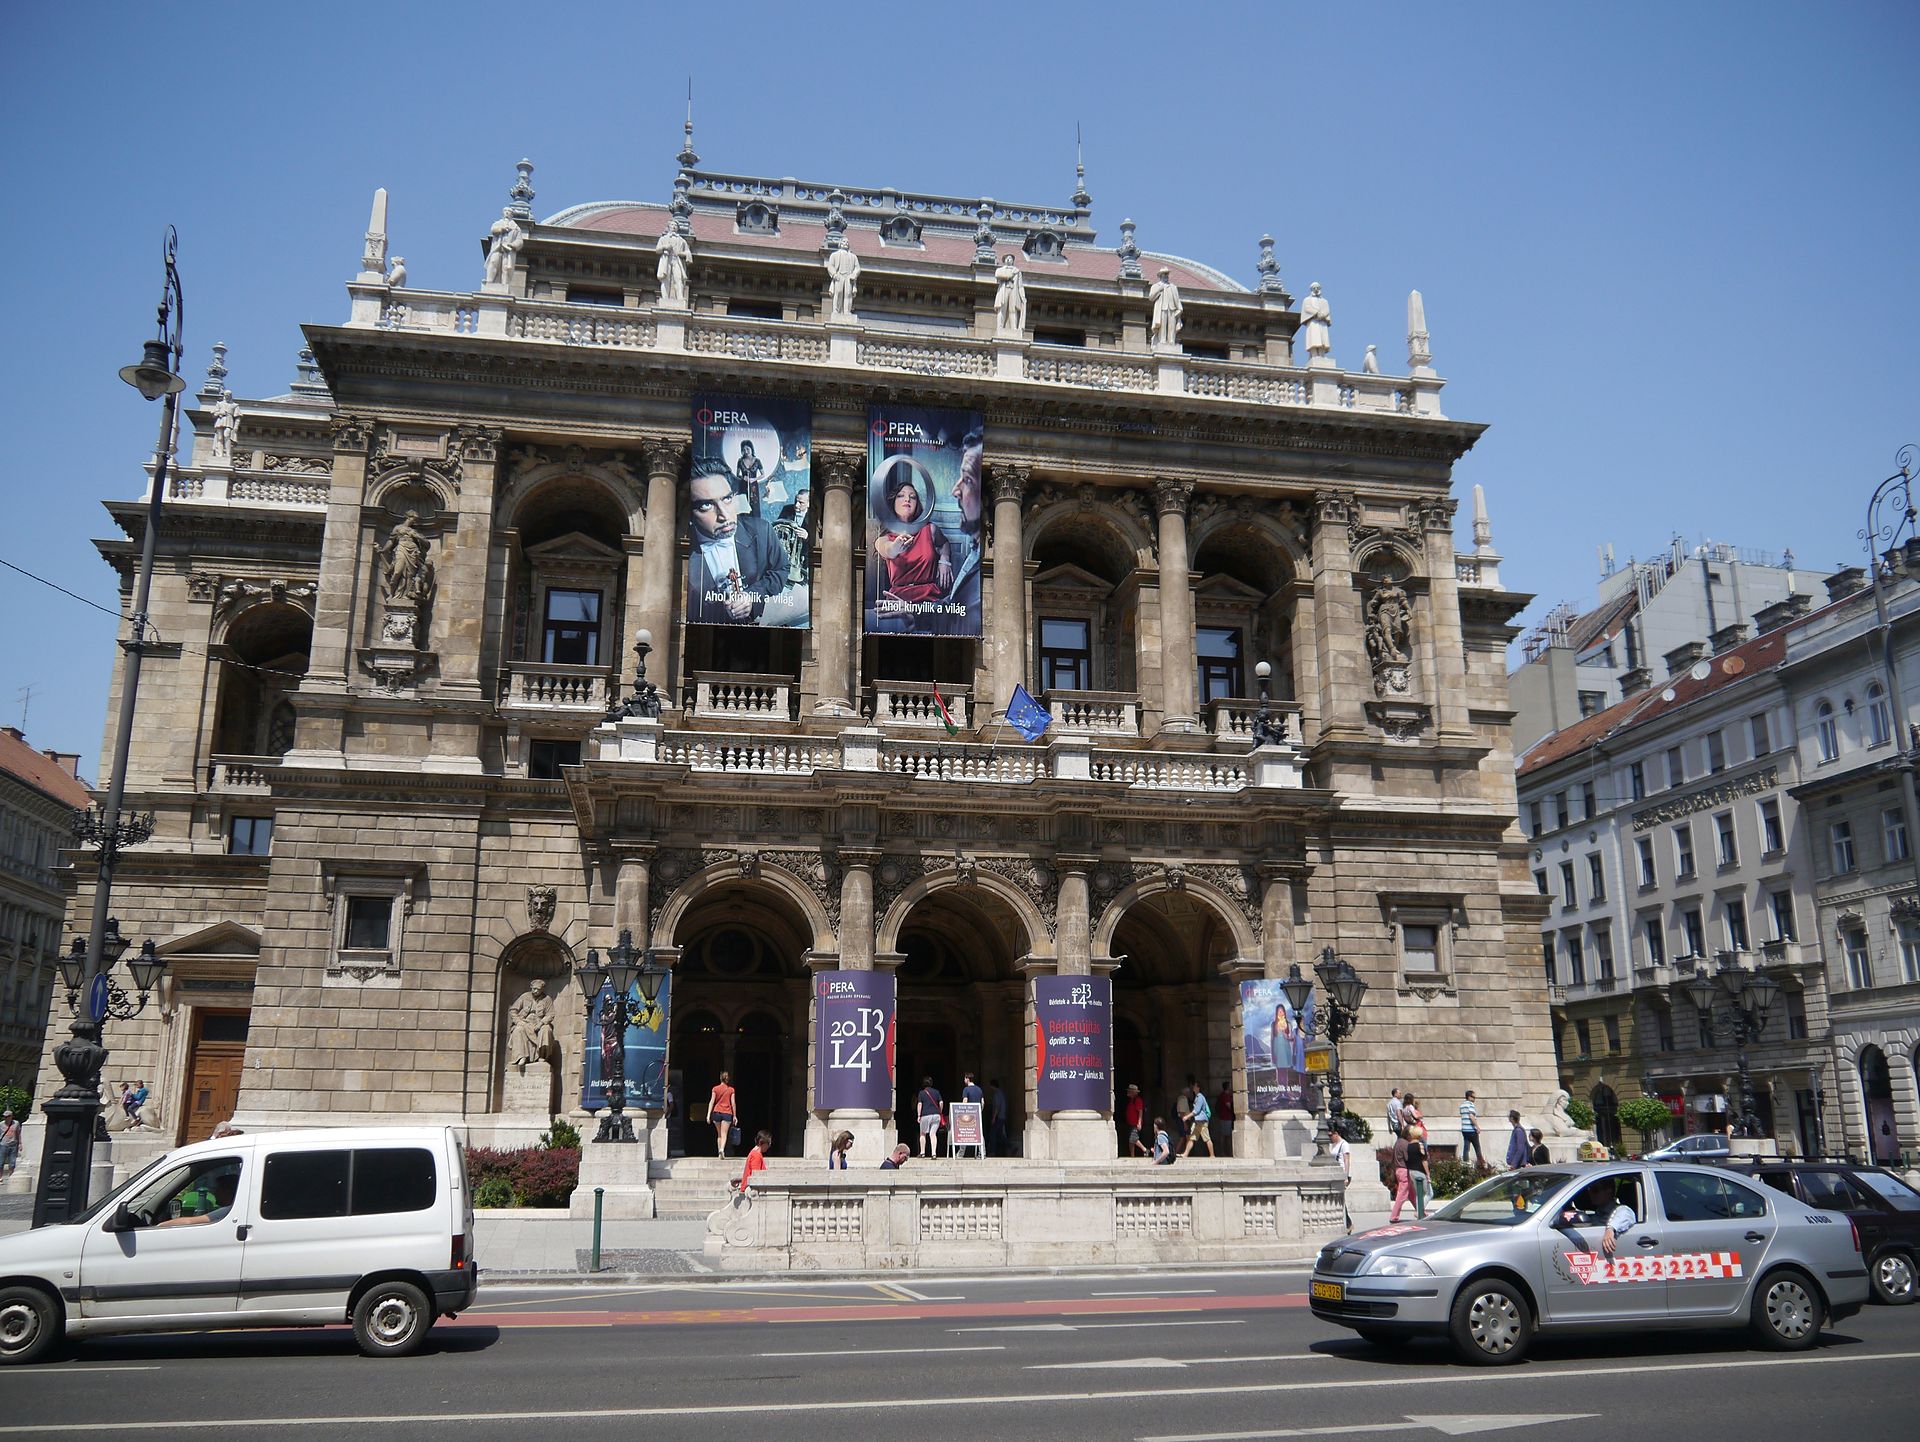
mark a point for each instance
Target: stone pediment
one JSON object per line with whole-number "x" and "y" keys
{"x": 223, "y": 938}
{"x": 1068, "y": 577}
{"x": 573, "y": 549}
{"x": 1225, "y": 590}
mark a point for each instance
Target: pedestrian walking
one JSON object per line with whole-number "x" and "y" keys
{"x": 1162, "y": 1144}
{"x": 1410, "y": 1114}
{"x": 897, "y": 1158}
{"x": 1516, "y": 1144}
{"x": 1402, "y": 1179}
{"x": 9, "y": 1144}
{"x": 837, "y": 1154}
{"x": 931, "y": 1108}
{"x": 996, "y": 1120}
{"x": 1136, "y": 1117}
{"x": 1470, "y": 1130}
{"x": 1419, "y": 1169}
{"x": 1394, "y": 1107}
{"x": 1183, "y": 1113}
{"x": 1199, "y": 1114}
{"x": 720, "y": 1111}
{"x": 1343, "y": 1154}
{"x": 1223, "y": 1119}
{"x": 1537, "y": 1156}
{"x": 756, "y": 1161}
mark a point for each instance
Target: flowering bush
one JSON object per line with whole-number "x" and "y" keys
{"x": 534, "y": 1176}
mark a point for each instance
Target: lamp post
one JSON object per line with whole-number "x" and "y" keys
{"x": 73, "y": 1112}
{"x": 1342, "y": 990}
{"x": 1267, "y": 731}
{"x": 1751, "y": 997}
{"x": 626, "y": 964}
{"x": 1896, "y": 492}
{"x": 1819, "y": 1119}
{"x": 645, "y": 700}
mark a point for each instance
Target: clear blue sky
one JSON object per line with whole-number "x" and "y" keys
{"x": 1667, "y": 250}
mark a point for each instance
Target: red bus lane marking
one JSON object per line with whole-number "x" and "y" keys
{"x": 874, "y": 1312}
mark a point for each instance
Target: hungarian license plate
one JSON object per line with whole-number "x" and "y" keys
{"x": 1328, "y": 1291}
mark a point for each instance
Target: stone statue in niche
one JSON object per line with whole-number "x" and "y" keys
{"x": 1009, "y": 297}
{"x": 671, "y": 271}
{"x": 1389, "y": 638}
{"x": 530, "y": 1033}
{"x": 406, "y": 575}
{"x": 504, "y": 239}
{"x": 1164, "y": 296}
{"x": 843, "y": 280}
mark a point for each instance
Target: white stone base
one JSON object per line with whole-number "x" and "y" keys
{"x": 1287, "y": 1134}
{"x": 1083, "y": 1137}
{"x": 872, "y": 1135}
{"x": 620, "y": 1170}
{"x": 527, "y": 1090}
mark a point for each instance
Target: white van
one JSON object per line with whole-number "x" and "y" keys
{"x": 372, "y": 1225}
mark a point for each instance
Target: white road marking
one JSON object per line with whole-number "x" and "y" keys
{"x": 27, "y": 1373}
{"x": 885, "y": 1351}
{"x": 1103, "y": 1326}
{"x": 1189, "y": 1292}
{"x": 1462, "y": 1426}
{"x": 1638, "y": 1370}
{"x": 1121, "y": 1364}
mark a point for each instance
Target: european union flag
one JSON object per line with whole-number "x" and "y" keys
{"x": 1027, "y": 716}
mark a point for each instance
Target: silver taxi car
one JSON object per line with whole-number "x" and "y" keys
{"x": 1596, "y": 1246}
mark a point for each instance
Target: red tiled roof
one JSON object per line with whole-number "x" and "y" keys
{"x": 40, "y": 771}
{"x": 805, "y": 235}
{"x": 1763, "y": 653}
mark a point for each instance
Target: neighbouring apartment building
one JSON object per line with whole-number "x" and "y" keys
{"x": 850, "y": 466}
{"x": 39, "y": 792}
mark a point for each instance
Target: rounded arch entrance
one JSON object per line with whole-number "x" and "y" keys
{"x": 739, "y": 1005}
{"x": 1876, "y": 1090}
{"x": 265, "y": 652}
{"x": 961, "y": 997}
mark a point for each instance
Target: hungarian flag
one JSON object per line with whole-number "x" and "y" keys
{"x": 946, "y": 716}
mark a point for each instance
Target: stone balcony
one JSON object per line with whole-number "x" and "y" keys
{"x": 909, "y": 705}
{"x": 1592, "y": 987}
{"x": 241, "y": 775}
{"x": 534, "y": 688}
{"x": 1230, "y": 720}
{"x": 1094, "y": 713}
{"x": 720, "y": 695}
{"x": 1659, "y": 977}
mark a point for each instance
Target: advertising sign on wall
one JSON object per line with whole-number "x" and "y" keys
{"x": 1276, "y": 1047}
{"x": 646, "y": 1052}
{"x": 1073, "y": 1043}
{"x": 924, "y": 522}
{"x": 853, "y": 1040}
{"x": 750, "y": 521}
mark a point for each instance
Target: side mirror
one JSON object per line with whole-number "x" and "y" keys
{"x": 123, "y": 1220}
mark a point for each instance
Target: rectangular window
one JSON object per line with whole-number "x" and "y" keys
{"x": 1420, "y": 948}
{"x": 1221, "y": 676}
{"x": 1716, "y": 751}
{"x": 1588, "y": 804}
{"x": 754, "y": 309}
{"x": 1596, "y": 877}
{"x": 572, "y": 628}
{"x": 589, "y": 295}
{"x": 1649, "y": 870}
{"x": 1676, "y": 768}
{"x": 546, "y": 757}
{"x": 1583, "y": 1033}
{"x": 1893, "y": 824}
{"x": 1729, "y": 849}
{"x": 1569, "y": 893}
{"x": 301, "y": 1185}
{"x": 1737, "y": 924}
{"x": 1796, "y": 1014}
{"x": 1772, "y": 838}
{"x": 249, "y": 835}
{"x": 1066, "y": 654}
{"x": 369, "y": 925}
{"x": 1546, "y": 955}
{"x": 1656, "y": 941}
{"x": 1859, "y": 961}
{"x": 1637, "y": 780}
{"x": 1663, "y": 1027}
{"x": 1603, "y": 953}
{"x": 1540, "y": 881}
{"x": 1781, "y": 905}
{"x": 1909, "y": 953}
{"x": 1696, "y": 933}
{"x": 1561, "y": 816}
{"x": 1683, "y": 850}
{"x": 1842, "y": 837}
{"x": 1612, "y": 1024}
{"x": 1757, "y": 729}
{"x": 1533, "y": 818}
{"x": 392, "y": 1179}
{"x": 1576, "y": 962}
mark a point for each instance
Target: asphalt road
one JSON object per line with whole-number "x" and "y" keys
{"x": 1166, "y": 1358}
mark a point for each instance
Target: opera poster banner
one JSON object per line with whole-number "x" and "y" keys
{"x": 1276, "y": 1047}
{"x": 750, "y": 521}
{"x": 853, "y": 1035}
{"x": 1073, "y": 1043}
{"x": 646, "y": 1052}
{"x": 925, "y": 535}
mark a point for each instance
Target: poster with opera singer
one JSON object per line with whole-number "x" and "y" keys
{"x": 924, "y": 531}
{"x": 750, "y": 522}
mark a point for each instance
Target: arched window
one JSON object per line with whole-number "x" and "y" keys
{"x": 1827, "y": 732}
{"x": 1879, "y": 716}
{"x": 1606, "y": 1115}
{"x": 1876, "y": 1088}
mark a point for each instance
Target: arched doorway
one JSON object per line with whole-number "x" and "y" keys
{"x": 740, "y": 1006}
{"x": 1606, "y": 1115}
{"x": 252, "y": 716}
{"x": 1876, "y": 1088}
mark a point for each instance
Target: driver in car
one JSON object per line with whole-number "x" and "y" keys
{"x": 1598, "y": 1204}
{"x": 220, "y": 1190}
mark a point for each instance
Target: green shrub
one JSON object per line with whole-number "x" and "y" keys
{"x": 1580, "y": 1113}
{"x": 16, "y": 1100}
{"x": 561, "y": 1136}
{"x": 494, "y": 1192}
{"x": 1646, "y": 1115}
{"x": 534, "y": 1176}
{"x": 1451, "y": 1176}
{"x": 1356, "y": 1128}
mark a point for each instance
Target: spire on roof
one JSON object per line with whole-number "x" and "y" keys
{"x": 1485, "y": 566}
{"x": 1080, "y": 198}
{"x": 681, "y": 207}
{"x": 215, "y": 384}
{"x": 1129, "y": 253}
{"x": 1269, "y": 269}
{"x": 983, "y": 238}
{"x": 307, "y": 380}
{"x": 687, "y": 157}
{"x": 836, "y": 220}
{"x": 520, "y": 198}
{"x": 373, "y": 258}
{"x": 1419, "y": 352}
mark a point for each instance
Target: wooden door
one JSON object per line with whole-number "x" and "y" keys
{"x": 214, "y": 1064}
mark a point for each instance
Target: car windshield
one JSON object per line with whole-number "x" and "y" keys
{"x": 112, "y": 1198}
{"x": 1902, "y": 1197}
{"x": 1503, "y": 1201}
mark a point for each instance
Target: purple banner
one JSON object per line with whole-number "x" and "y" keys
{"x": 1276, "y": 1044}
{"x": 853, "y": 1040}
{"x": 1073, "y": 1043}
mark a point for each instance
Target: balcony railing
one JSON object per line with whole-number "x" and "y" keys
{"x": 910, "y": 705}
{"x": 241, "y": 775}
{"x": 757, "y": 755}
{"x": 580, "y": 325}
{"x": 1095, "y": 713}
{"x": 757, "y": 340}
{"x": 933, "y": 761}
{"x": 1172, "y": 771}
{"x": 743, "y": 697}
{"x": 538, "y": 688}
{"x": 1232, "y": 718}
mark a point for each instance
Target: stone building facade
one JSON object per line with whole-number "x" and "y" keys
{"x": 39, "y": 791}
{"x": 384, "y": 810}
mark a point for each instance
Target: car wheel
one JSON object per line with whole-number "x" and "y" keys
{"x": 29, "y": 1324}
{"x": 391, "y": 1319}
{"x": 1893, "y": 1279}
{"x": 1383, "y": 1336}
{"x": 1490, "y": 1324}
{"x": 1787, "y": 1312}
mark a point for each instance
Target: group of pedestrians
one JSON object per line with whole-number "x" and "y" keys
{"x": 133, "y": 1097}
{"x": 1195, "y": 1119}
{"x": 930, "y": 1115}
{"x": 1412, "y": 1158}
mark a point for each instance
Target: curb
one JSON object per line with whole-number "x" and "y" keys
{"x": 718, "y": 1278}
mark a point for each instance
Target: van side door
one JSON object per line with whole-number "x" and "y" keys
{"x": 181, "y": 1250}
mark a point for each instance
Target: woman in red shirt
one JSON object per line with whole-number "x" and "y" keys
{"x": 756, "y": 1159}
{"x": 720, "y": 1110}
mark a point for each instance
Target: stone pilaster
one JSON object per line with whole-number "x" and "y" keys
{"x": 460, "y": 610}
{"x": 631, "y": 889}
{"x": 1446, "y": 653}
{"x": 321, "y": 726}
{"x": 833, "y": 598}
{"x": 1276, "y": 922}
{"x": 1007, "y": 645}
{"x": 1345, "y": 681}
{"x": 660, "y": 562}
{"x": 1178, "y": 667}
{"x": 1077, "y": 1136}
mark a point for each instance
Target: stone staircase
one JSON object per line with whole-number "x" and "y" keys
{"x": 694, "y": 1186}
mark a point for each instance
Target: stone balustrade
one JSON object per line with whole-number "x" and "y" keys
{"x": 444, "y": 311}
{"x": 962, "y": 761}
{"x": 1095, "y": 713}
{"x": 536, "y": 688}
{"x": 1172, "y": 771}
{"x": 281, "y": 492}
{"x": 1102, "y": 370}
{"x": 743, "y": 697}
{"x": 761, "y": 755}
{"x": 1232, "y": 718}
{"x": 756, "y": 340}
{"x": 910, "y": 704}
{"x": 927, "y": 357}
{"x": 241, "y": 775}
{"x": 595, "y": 325}
{"x": 1235, "y": 382}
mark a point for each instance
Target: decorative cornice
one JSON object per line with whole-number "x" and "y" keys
{"x": 1706, "y": 798}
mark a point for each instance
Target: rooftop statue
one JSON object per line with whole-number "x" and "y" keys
{"x": 1317, "y": 316}
{"x": 843, "y": 276}
{"x": 1165, "y": 296}
{"x": 226, "y": 425}
{"x": 1009, "y": 297}
{"x": 398, "y": 274}
{"x": 504, "y": 239}
{"x": 675, "y": 255}
{"x": 1371, "y": 365}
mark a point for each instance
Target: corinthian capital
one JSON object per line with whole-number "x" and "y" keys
{"x": 1170, "y": 498}
{"x": 351, "y": 434}
{"x": 664, "y": 456}
{"x": 840, "y": 469}
{"x": 1332, "y": 508}
{"x": 1010, "y": 482}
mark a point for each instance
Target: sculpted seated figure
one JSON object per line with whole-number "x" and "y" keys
{"x": 530, "y": 1034}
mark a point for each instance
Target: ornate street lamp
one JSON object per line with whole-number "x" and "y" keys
{"x": 1750, "y": 997}
{"x": 1266, "y": 730}
{"x": 1896, "y": 493}
{"x": 1342, "y": 988}
{"x": 146, "y": 970}
{"x": 73, "y": 1112}
{"x": 626, "y": 966}
{"x": 645, "y": 700}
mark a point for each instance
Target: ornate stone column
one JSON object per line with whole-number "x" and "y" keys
{"x": 1446, "y": 651}
{"x": 1177, "y": 670}
{"x": 834, "y": 602}
{"x": 1339, "y": 630}
{"x": 1078, "y": 1136}
{"x": 660, "y": 561}
{"x": 1007, "y": 646}
{"x": 872, "y": 1133}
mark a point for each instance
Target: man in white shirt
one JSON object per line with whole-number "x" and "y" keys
{"x": 1598, "y": 1204}
{"x": 1343, "y": 1154}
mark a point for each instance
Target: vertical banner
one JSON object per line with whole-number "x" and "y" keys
{"x": 853, "y": 1041}
{"x": 1073, "y": 1043}
{"x": 646, "y": 1052}
{"x": 750, "y": 521}
{"x": 924, "y": 529}
{"x": 1276, "y": 1047}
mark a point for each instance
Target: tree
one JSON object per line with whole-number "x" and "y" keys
{"x": 1646, "y": 1115}
{"x": 1580, "y": 1114}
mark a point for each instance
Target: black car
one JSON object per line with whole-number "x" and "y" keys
{"x": 1883, "y": 1208}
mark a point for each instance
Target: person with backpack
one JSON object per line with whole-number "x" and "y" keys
{"x": 1200, "y": 1113}
{"x": 931, "y": 1108}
